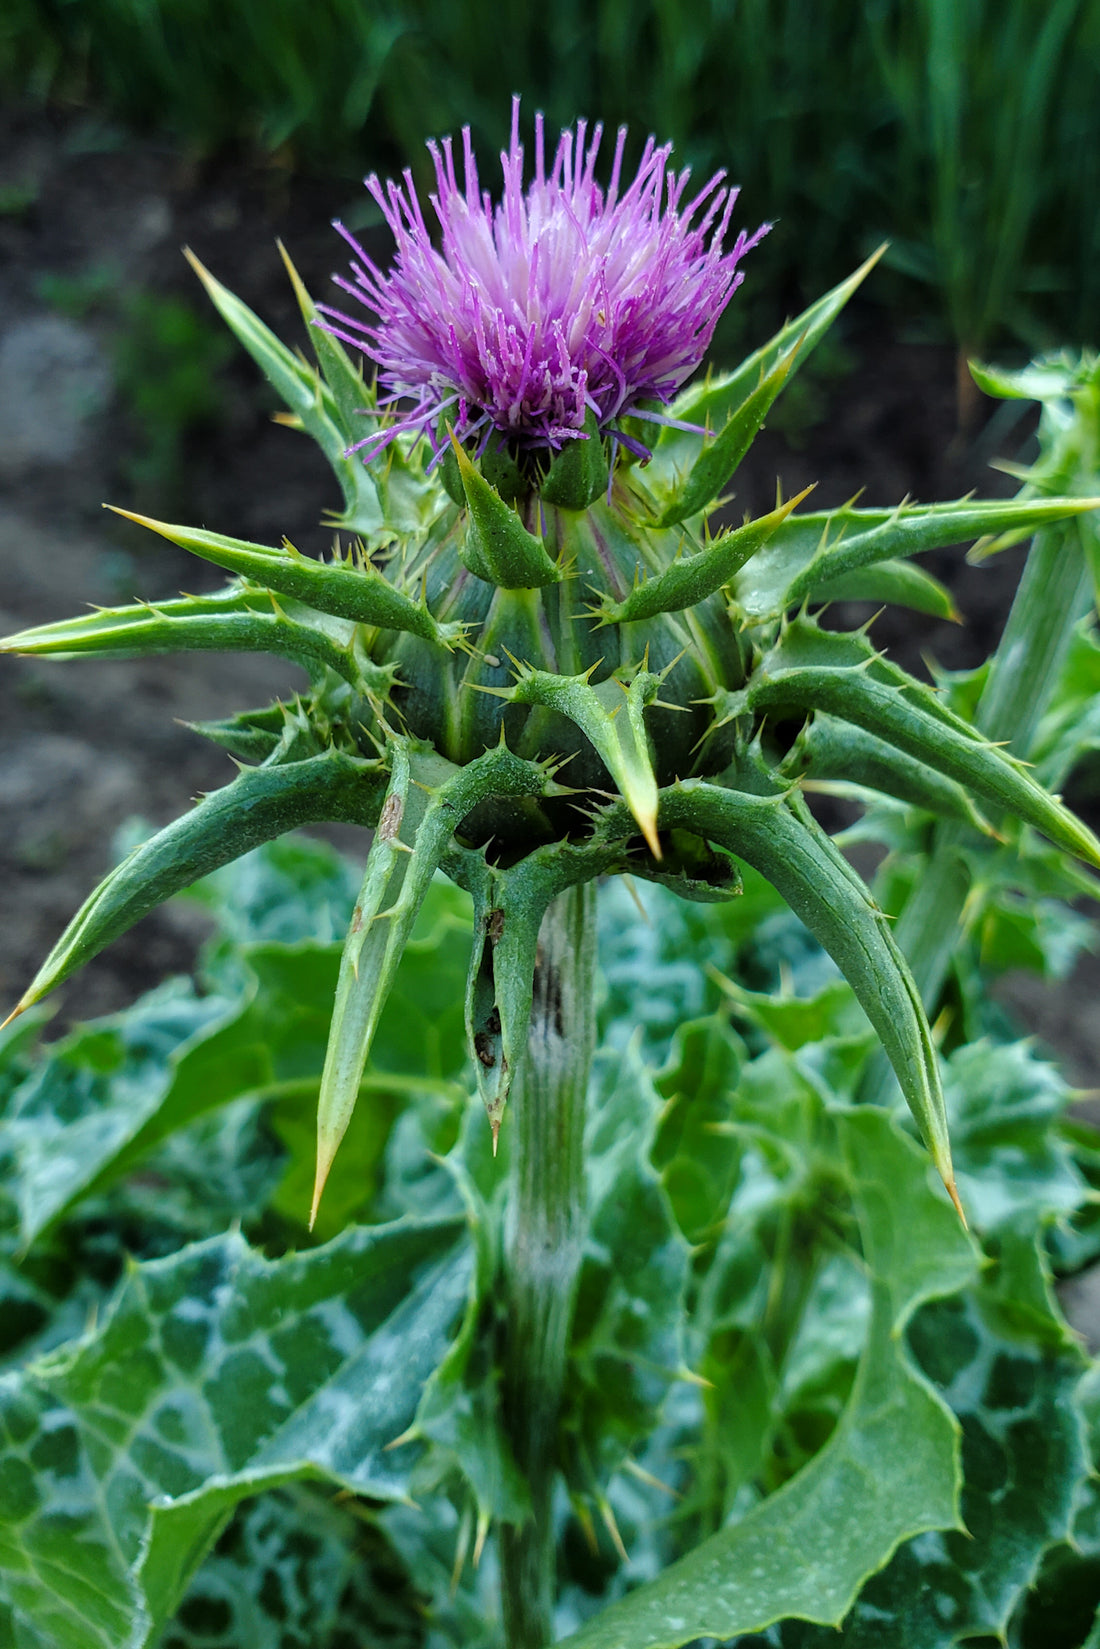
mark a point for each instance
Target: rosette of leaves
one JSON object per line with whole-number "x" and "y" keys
{"x": 531, "y": 660}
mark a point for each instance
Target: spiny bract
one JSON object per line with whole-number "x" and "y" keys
{"x": 535, "y": 664}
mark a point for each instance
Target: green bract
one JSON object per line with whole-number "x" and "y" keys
{"x": 566, "y": 674}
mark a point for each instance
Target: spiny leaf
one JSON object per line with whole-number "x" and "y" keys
{"x": 344, "y": 380}
{"x": 810, "y": 669}
{"x": 808, "y": 552}
{"x": 382, "y": 500}
{"x": 238, "y": 619}
{"x": 1026, "y": 1473}
{"x": 295, "y": 1567}
{"x": 691, "y": 578}
{"x": 255, "y": 736}
{"x": 358, "y": 591}
{"x": 107, "y": 1096}
{"x": 69, "y": 1126}
{"x": 913, "y": 529}
{"x": 290, "y": 376}
{"x": 718, "y": 461}
{"x": 426, "y": 800}
{"x": 578, "y": 473}
{"x": 898, "y": 582}
{"x": 807, "y": 1549}
{"x": 216, "y": 1374}
{"x": 498, "y": 547}
{"x": 720, "y": 393}
{"x": 611, "y": 715}
{"x": 828, "y": 749}
{"x": 802, "y": 864}
{"x": 380, "y": 925}
{"x": 316, "y": 408}
{"x": 260, "y": 804}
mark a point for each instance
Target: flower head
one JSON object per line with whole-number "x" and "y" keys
{"x": 561, "y": 300}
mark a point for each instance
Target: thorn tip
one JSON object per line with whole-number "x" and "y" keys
{"x": 20, "y": 1007}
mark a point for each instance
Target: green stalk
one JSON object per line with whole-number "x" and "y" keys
{"x": 1054, "y": 594}
{"x": 546, "y": 1232}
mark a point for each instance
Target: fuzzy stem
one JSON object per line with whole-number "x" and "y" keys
{"x": 546, "y": 1231}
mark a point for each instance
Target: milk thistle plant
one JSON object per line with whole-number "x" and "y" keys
{"x": 536, "y": 662}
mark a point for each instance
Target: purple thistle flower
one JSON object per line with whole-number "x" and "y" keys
{"x": 563, "y": 300}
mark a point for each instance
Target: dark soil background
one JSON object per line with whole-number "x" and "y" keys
{"x": 91, "y": 229}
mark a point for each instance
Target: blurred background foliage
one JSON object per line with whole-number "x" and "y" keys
{"x": 965, "y": 131}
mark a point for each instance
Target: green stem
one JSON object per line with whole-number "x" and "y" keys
{"x": 546, "y": 1232}
{"x": 1053, "y": 596}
